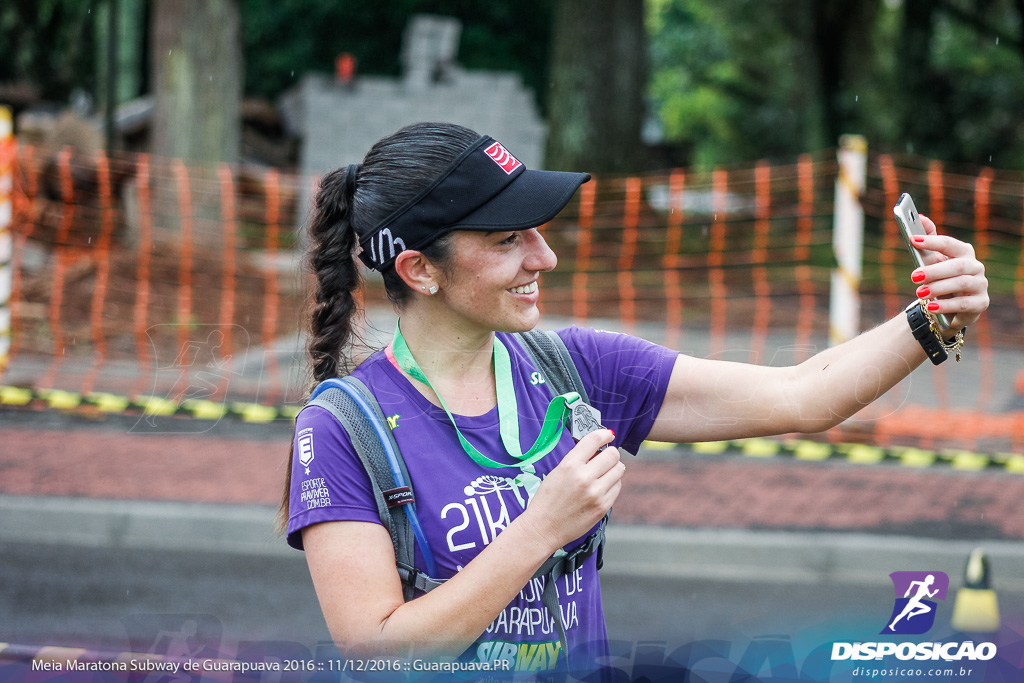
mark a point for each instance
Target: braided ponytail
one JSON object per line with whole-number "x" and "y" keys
{"x": 331, "y": 258}
{"x": 347, "y": 206}
{"x": 333, "y": 262}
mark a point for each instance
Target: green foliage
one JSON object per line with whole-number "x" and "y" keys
{"x": 740, "y": 79}
{"x": 48, "y": 44}
{"x": 980, "y": 94}
{"x": 729, "y": 78}
{"x": 283, "y": 39}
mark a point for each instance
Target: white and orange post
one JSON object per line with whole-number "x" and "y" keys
{"x": 848, "y": 239}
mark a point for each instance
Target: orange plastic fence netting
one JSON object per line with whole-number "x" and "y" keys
{"x": 143, "y": 276}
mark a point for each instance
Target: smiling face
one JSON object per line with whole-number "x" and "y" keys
{"x": 491, "y": 282}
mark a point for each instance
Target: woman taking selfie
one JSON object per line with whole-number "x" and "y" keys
{"x": 509, "y": 506}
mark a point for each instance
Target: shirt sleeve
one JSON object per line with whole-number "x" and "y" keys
{"x": 329, "y": 482}
{"x": 626, "y": 377}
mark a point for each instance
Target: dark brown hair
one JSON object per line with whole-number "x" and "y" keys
{"x": 394, "y": 171}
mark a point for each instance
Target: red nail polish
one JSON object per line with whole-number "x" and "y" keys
{"x": 933, "y": 306}
{"x": 918, "y": 239}
{"x": 923, "y": 292}
{"x": 917, "y": 276}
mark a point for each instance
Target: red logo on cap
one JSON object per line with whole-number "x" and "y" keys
{"x": 502, "y": 158}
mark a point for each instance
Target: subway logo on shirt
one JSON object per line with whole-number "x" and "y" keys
{"x": 523, "y": 656}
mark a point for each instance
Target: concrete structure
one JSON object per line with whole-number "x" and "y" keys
{"x": 338, "y": 123}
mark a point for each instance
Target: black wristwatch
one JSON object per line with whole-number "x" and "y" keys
{"x": 921, "y": 326}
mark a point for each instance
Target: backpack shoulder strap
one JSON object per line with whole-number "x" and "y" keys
{"x": 356, "y": 408}
{"x": 551, "y": 357}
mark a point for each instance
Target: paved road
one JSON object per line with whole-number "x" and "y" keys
{"x": 117, "y": 590}
{"x": 84, "y": 596}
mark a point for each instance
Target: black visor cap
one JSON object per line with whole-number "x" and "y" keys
{"x": 529, "y": 201}
{"x": 486, "y": 189}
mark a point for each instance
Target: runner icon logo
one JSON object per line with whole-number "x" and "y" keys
{"x": 916, "y": 592}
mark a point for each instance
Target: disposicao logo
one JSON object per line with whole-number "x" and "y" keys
{"x": 913, "y": 613}
{"x": 916, "y": 593}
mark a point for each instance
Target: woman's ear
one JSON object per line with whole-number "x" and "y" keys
{"x": 417, "y": 271}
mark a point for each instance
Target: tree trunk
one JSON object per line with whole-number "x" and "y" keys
{"x": 197, "y": 80}
{"x": 916, "y": 74}
{"x": 840, "y": 37}
{"x": 197, "y": 83}
{"x": 598, "y": 83}
{"x": 1019, "y": 4}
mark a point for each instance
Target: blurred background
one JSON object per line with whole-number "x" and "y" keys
{"x": 157, "y": 163}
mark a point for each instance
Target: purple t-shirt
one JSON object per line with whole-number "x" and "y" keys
{"x": 463, "y": 506}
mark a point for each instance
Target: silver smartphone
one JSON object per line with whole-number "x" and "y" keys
{"x": 910, "y": 224}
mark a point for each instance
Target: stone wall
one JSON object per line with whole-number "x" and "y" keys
{"x": 338, "y": 123}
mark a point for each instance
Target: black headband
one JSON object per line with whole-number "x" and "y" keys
{"x": 484, "y": 188}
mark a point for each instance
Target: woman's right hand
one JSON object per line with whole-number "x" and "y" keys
{"x": 353, "y": 565}
{"x": 578, "y": 492}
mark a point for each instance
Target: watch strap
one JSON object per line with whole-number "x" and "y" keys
{"x": 921, "y": 327}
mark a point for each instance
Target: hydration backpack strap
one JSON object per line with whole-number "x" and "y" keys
{"x": 414, "y": 578}
{"x": 354, "y": 405}
{"x": 549, "y": 355}
{"x": 557, "y": 567}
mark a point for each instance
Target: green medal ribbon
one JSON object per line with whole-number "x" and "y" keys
{"x": 508, "y": 410}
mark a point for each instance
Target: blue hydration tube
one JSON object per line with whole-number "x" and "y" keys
{"x": 396, "y": 471}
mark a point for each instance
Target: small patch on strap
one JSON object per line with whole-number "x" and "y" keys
{"x": 400, "y": 496}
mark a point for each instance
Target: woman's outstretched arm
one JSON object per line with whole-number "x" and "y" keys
{"x": 714, "y": 400}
